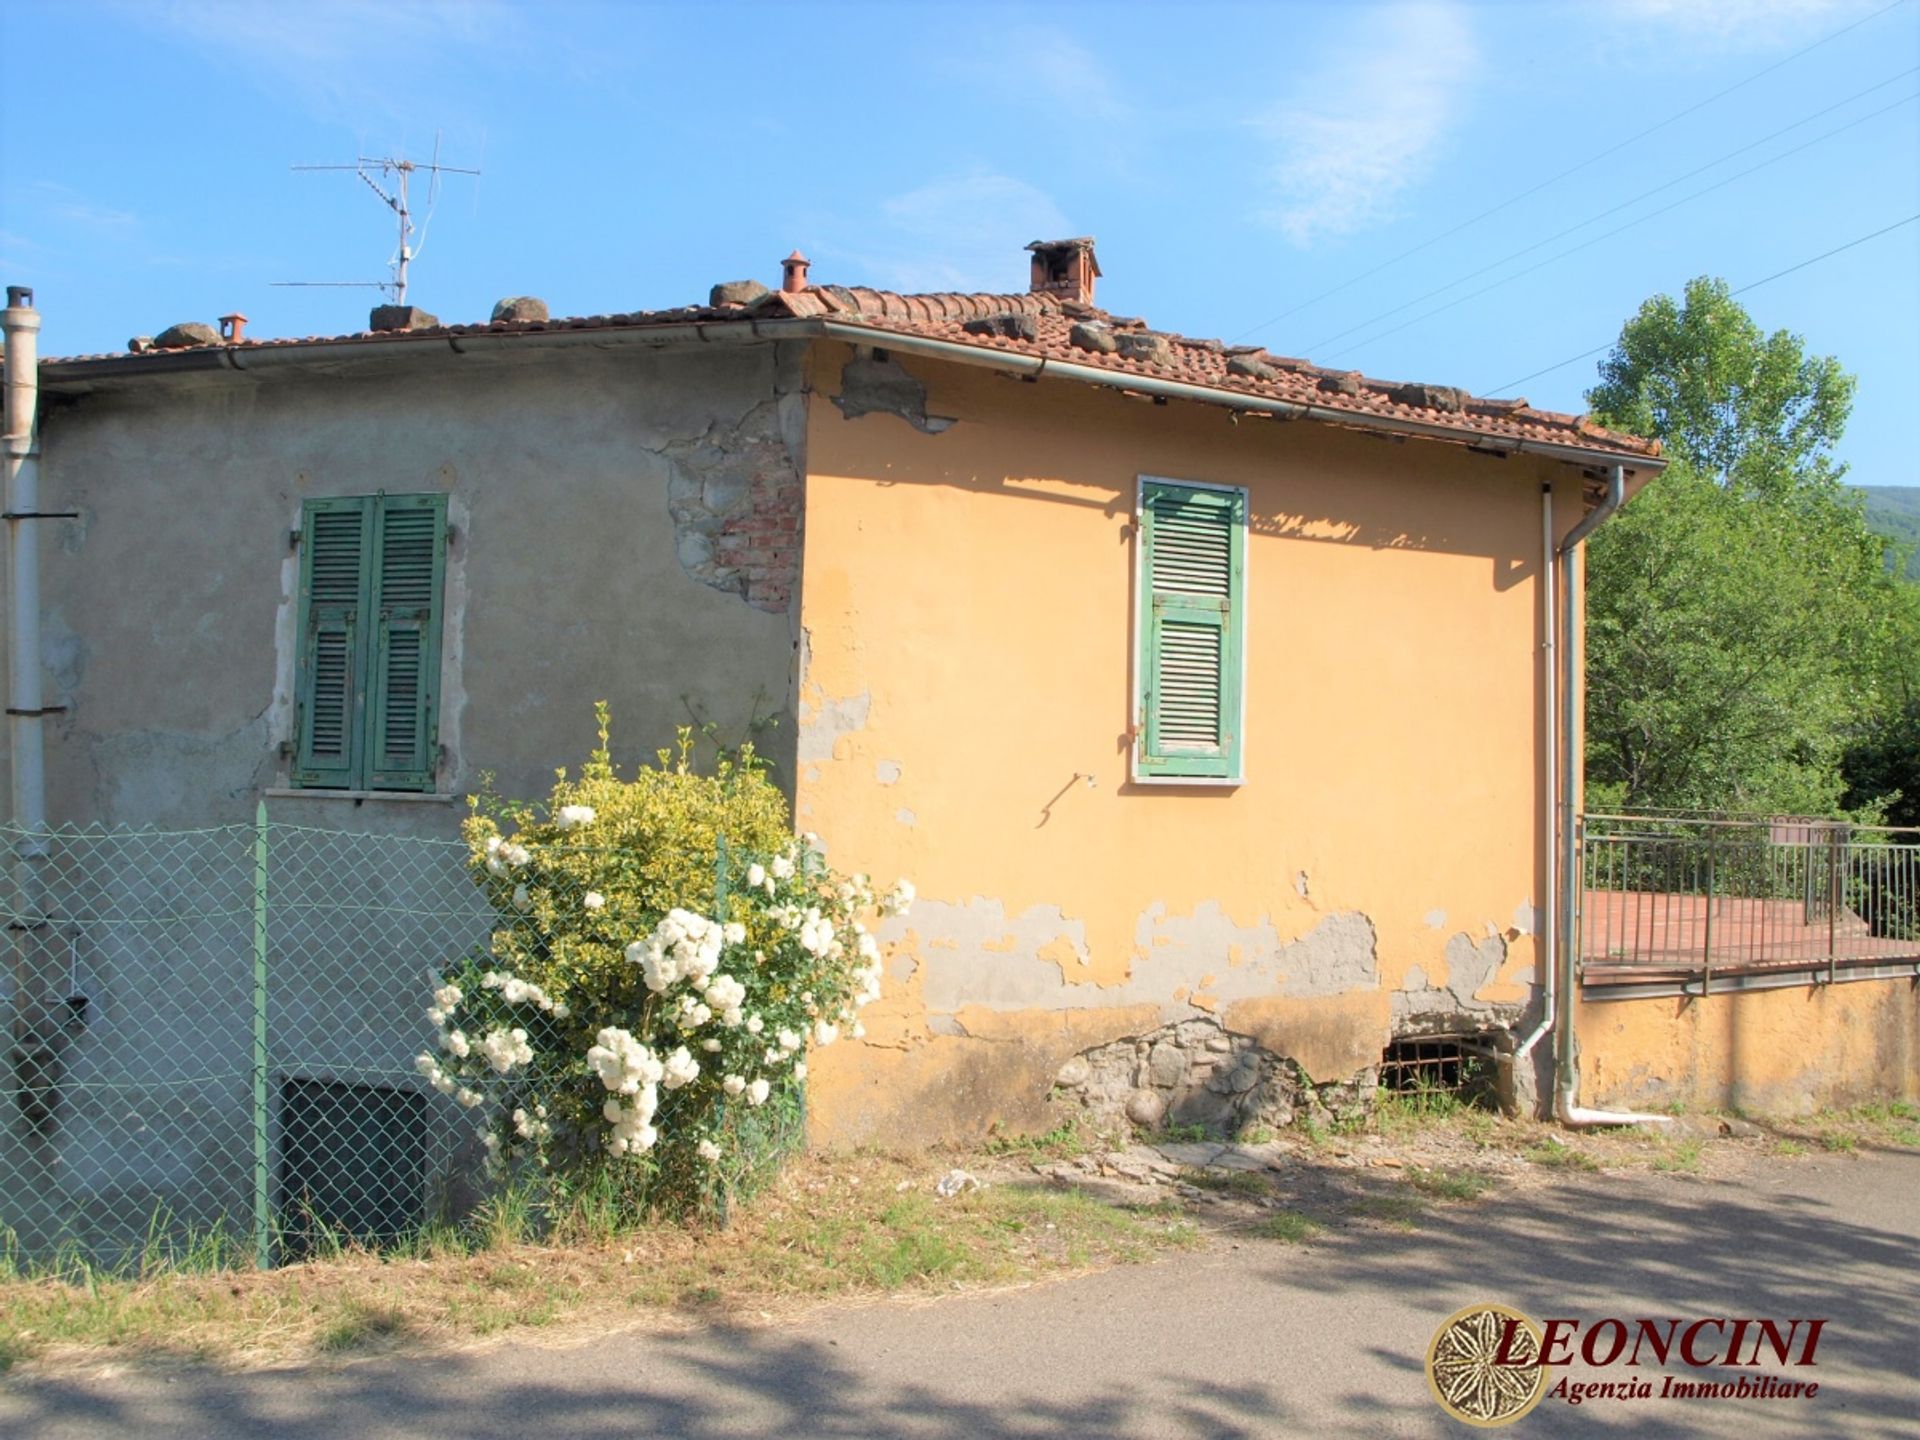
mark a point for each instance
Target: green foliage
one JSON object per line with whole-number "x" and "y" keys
{"x": 665, "y": 951}
{"x": 1740, "y": 622}
{"x": 1894, "y": 511}
{"x": 1751, "y": 412}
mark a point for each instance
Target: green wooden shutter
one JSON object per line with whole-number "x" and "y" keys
{"x": 410, "y": 541}
{"x": 1193, "y": 587}
{"x": 335, "y": 568}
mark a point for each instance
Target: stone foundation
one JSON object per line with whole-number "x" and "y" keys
{"x": 1195, "y": 1072}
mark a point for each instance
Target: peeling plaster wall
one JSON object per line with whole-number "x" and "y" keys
{"x": 967, "y": 615}
{"x": 1766, "y": 1052}
{"x": 626, "y": 526}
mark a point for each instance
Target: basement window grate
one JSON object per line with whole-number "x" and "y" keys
{"x": 1437, "y": 1064}
{"x": 353, "y": 1164}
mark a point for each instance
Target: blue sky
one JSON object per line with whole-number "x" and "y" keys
{"x": 1255, "y": 172}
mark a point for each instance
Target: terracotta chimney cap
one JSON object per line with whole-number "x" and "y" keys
{"x": 233, "y": 328}
{"x": 793, "y": 272}
{"x": 1066, "y": 268}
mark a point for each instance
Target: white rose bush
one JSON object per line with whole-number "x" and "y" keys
{"x": 665, "y": 952}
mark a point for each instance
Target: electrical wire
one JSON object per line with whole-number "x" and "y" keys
{"x": 1750, "y": 285}
{"x": 1314, "y": 348}
{"x": 1622, "y": 229}
{"x": 1595, "y": 159}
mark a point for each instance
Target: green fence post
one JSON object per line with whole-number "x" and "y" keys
{"x": 262, "y": 1215}
{"x": 720, "y": 878}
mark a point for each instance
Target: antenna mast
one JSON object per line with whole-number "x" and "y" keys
{"x": 390, "y": 177}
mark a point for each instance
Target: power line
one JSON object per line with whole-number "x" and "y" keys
{"x": 1751, "y": 285}
{"x": 1314, "y": 348}
{"x": 1572, "y": 170}
{"x": 1622, "y": 229}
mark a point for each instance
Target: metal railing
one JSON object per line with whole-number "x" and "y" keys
{"x": 1689, "y": 904}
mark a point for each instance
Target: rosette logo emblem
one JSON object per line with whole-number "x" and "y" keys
{"x": 1483, "y": 1365}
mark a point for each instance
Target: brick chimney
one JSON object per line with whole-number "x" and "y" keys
{"x": 793, "y": 272}
{"x": 1065, "y": 268}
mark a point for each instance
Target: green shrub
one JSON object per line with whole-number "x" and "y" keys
{"x": 665, "y": 953}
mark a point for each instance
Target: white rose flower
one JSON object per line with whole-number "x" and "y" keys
{"x": 522, "y": 899}
{"x": 572, "y": 817}
{"x": 757, "y": 1092}
{"x": 782, "y": 868}
{"x": 708, "y": 1151}
{"x": 733, "y": 1084}
{"x": 712, "y": 1047}
{"x": 800, "y": 1070}
{"x": 594, "y": 900}
{"x": 680, "y": 1069}
{"x": 756, "y": 875}
{"x": 734, "y": 933}
{"x": 755, "y": 1025}
{"x": 447, "y": 996}
{"x": 825, "y": 1034}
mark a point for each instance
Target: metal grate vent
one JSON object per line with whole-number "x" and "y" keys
{"x": 353, "y": 1163}
{"x": 1438, "y": 1064}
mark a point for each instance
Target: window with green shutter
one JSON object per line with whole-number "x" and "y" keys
{"x": 372, "y": 571}
{"x": 1191, "y": 617}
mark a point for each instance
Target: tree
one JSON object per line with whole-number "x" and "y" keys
{"x": 1738, "y": 608}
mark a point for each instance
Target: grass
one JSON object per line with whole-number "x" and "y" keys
{"x": 1551, "y": 1153}
{"x": 1392, "y": 1207}
{"x": 1876, "y": 1123}
{"x": 1247, "y": 1184}
{"x": 1289, "y": 1227}
{"x": 1681, "y": 1157}
{"x": 1071, "y": 1137}
{"x": 827, "y": 1227}
{"x": 1445, "y": 1184}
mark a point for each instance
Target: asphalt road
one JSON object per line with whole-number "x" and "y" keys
{"x": 1260, "y": 1340}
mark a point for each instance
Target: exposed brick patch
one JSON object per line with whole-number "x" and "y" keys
{"x": 736, "y": 499}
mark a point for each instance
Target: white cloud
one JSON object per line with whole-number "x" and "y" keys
{"x": 1737, "y": 24}
{"x": 1368, "y": 124}
{"x": 348, "y": 61}
{"x": 961, "y": 232}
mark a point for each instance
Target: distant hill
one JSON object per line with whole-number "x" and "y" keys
{"x": 1894, "y": 510}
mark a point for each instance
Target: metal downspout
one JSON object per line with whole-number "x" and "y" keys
{"x": 37, "y": 1033}
{"x": 1549, "y": 788}
{"x": 1566, "y": 1079}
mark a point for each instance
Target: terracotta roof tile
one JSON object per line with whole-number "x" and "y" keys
{"x": 1336, "y": 394}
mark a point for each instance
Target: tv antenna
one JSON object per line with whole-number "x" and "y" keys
{"x": 390, "y": 177}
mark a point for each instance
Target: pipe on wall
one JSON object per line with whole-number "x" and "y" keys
{"x": 1566, "y": 1078}
{"x": 39, "y": 1034}
{"x": 1549, "y": 787}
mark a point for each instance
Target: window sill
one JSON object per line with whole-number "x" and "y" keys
{"x": 405, "y": 797}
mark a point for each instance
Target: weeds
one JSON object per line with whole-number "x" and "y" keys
{"x": 1247, "y": 1184}
{"x": 1550, "y": 1152}
{"x": 1682, "y": 1157}
{"x": 1450, "y": 1184}
{"x": 1289, "y": 1227}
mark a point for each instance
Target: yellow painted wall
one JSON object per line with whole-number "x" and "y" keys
{"x": 966, "y": 605}
{"x": 1768, "y": 1052}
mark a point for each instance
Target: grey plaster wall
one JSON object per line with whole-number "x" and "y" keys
{"x": 619, "y": 533}
{"x": 578, "y": 570}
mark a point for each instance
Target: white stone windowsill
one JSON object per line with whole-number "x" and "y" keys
{"x": 405, "y": 797}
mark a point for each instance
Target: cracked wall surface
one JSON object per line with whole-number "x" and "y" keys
{"x": 626, "y": 526}
{"x": 968, "y": 622}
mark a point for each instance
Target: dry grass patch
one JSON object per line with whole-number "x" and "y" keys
{"x": 864, "y": 1225}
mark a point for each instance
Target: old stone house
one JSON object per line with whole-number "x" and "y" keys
{"x": 1211, "y": 698}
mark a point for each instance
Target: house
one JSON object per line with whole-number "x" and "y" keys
{"x": 1217, "y": 703}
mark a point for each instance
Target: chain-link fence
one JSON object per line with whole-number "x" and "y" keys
{"x": 213, "y": 1035}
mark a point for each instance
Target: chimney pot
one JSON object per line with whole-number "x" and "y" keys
{"x": 233, "y": 328}
{"x": 793, "y": 273}
{"x": 1066, "y": 268}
